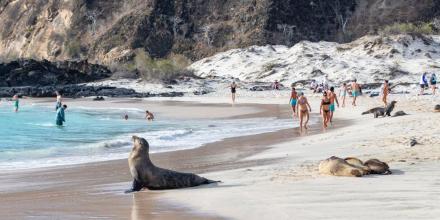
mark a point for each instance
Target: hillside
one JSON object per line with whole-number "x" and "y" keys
{"x": 370, "y": 59}
{"x": 107, "y": 31}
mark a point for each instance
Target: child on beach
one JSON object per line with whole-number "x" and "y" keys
{"x": 343, "y": 93}
{"x": 16, "y": 102}
{"x": 333, "y": 98}
{"x": 149, "y": 116}
{"x": 302, "y": 109}
{"x": 60, "y": 115}
{"x": 385, "y": 91}
{"x": 356, "y": 91}
{"x": 293, "y": 99}
{"x": 58, "y": 103}
{"x": 324, "y": 109}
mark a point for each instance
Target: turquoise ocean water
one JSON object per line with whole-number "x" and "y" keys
{"x": 30, "y": 138}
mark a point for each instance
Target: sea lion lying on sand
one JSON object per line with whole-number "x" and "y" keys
{"x": 338, "y": 167}
{"x": 378, "y": 167}
{"x": 352, "y": 167}
{"x": 146, "y": 174}
{"x": 373, "y": 110}
{"x": 399, "y": 113}
{"x": 437, "y": 108}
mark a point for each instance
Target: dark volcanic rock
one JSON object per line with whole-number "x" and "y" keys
{"x": 45, "y": 73}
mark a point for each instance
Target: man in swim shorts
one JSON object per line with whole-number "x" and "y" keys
{"x": 16, "y": 102}
{"x": 356, "y": 91}
{"x": 333, "y": 98}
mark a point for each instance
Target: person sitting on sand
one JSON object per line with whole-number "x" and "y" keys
{"x": 16, "y": 102}
{"x": 385, "y": 92}
{"x": 343, "y": 93}
{"x": 59, "y": 99}
{"x": 233, "y": 87}
{"x": 333, "y": 98}
{"x": 293, "y": 99}
{"x": 356, "y": 91}
{"x": 433, "y": 81}
{"x": 149, "y": 116}
{"x": 324, "y": 109}
{"x": 302, "y": 109}
{"x": 60, "y": 115}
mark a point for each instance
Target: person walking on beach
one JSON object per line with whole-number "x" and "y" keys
{"x": 333, "y": 98}
{"x": 324, "y": 109}
{"x": 60, "y": 115}
{"x": 385, "y": 92}
{"x": 302, "y": 109}
{"x": 343, "y": 93}
{"x": 149, "y": 116}
{"x": 16, "y": 102}
{"x": 233, "y": 87}
{"x": 59, "y": 100}
{"x": 356, "y": 91}
{"x": 293, "y": 99}
{"x": 423, "y": 83}
{"x": 433, "y": 81}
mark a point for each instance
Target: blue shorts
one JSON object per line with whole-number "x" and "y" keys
{"x": 355, "y": 93}
{"x": 293, "y": 102}
{"x": 332, "y": 107}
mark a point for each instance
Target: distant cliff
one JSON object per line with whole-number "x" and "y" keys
{"x": 105, "y": 31}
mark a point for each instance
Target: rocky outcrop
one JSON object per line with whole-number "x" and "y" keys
{"x": 45, "y": 73}
{"x": 105, "y": 31}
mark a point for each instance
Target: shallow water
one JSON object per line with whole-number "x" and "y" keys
{"x": 30, "y": 137}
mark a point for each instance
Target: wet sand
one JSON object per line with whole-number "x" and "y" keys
{"x": 95, "y": 190}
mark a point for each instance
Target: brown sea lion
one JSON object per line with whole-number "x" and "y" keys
{"x": 146, "y": 174}
{"x": 378, "y": 167}
{"x": 373, "y": 110}
{"x": 338, "y": 167}
{"x": 359, "y": 164}
{"x": 385, "y": 111}
{"x": 399, "y": 113}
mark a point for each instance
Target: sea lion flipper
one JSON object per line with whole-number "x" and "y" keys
{"x": 137, "y": 186}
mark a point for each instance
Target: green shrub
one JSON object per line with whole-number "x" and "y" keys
{"x": 409, "y": 28}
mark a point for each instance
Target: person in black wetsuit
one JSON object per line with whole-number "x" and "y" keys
{"x": 233, "y": 91}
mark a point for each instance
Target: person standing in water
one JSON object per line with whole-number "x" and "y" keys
{"x": 16, "y": 102}
{"x": 149, "y": 116}
{"x": 302, "y": 109}
{"x": 385, "y": 92}
{"x": 233, "y": 87}
{"x": 356, "y": 91}
{"x": 59, "y": 100}
{"x": 293, "y": 99}
{"x": 333, "y": 98}
{"x": 343, "y": 93}
{"x": 433, "y": 81}
{"x": 60, "y": 115}
{"x": 324, "y": 109}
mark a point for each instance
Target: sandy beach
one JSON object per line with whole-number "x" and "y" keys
{"x": 267, "y": 176}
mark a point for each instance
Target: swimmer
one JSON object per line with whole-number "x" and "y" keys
{"x": 324, "y": 109}
{"x": 293, "y": 99}
{"x": 59, "y": 99}
{"x": 126, "y": 117}
{"x": 149, "y": 116}
{"x": 60, "y": 115}
{"x": 233, "y": 87}
{"x": 16, "y": 102}
{"x": 302, "y": 109}
{"x": 333, "y": 98}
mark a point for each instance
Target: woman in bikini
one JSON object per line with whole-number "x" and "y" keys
{"x": 343, "y": 93}
{"x": 325, "y": 109}
{"x": 303, "y": 108}
{"x": 293, "y": 100}
{"x": 233, "y": 91}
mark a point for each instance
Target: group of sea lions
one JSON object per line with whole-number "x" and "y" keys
{"x": 383, "y": 112}
{"x": 352, "y": 167}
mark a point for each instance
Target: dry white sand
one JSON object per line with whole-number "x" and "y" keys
{"x": 293, "y": 189}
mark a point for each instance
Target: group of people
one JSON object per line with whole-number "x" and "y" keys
{"x": 424, "y": 83}
{"x": 148, "y": 115}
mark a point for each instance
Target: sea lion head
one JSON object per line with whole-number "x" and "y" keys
{"x": 140, "y": 144}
